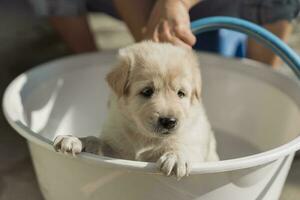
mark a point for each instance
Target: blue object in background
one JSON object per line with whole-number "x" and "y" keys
{"x": 225, "y": 42}
{"x": 268, "y": 39}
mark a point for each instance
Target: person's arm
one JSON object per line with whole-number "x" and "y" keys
{"x": 75, "y": 32}
{"x": 160, "y": 20}
{"x": 256, "y": 51}
{"x": 170, "y": 22}
{"x": 68, "y": 18}
{"x": 135, "y": 14}
{"x": 190, "y": 3}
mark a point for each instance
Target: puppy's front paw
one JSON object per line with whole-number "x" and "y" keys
{"x": 67, "y": 144}
{"x": 173, "y": 162}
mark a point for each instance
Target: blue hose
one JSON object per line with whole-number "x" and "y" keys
{"x": 260, "y": 34}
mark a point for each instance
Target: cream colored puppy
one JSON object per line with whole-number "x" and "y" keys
{"x": 155, "y": 111}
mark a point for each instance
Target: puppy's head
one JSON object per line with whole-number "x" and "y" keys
{"x": 156, "y": 84}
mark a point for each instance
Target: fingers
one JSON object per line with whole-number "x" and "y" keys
{"x": 185, "y": 34}
{"x": 179, "y": 42}
{"x": 178, "y": 36}
{"x": 166, "y": 34}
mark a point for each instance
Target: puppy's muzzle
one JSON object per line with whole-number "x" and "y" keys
{"x": 167, "y": 122}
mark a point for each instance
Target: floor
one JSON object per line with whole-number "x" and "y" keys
{"x": 27, "y": 41}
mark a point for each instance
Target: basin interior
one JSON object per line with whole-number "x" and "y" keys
{"x": 251, "y": 108}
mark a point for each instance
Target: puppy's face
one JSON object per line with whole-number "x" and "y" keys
{"x": 156, "y": 85}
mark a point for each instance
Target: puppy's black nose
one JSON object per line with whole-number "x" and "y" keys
{"x": 167, "y": 122}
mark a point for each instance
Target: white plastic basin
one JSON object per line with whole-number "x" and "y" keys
{"x": 253, "y": 110}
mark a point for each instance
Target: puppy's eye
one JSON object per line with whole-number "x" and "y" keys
{"x": 147, "y": 92}
{"x": 181, "y": 94}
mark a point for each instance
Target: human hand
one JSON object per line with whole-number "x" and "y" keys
{"x": 169, "y": 21}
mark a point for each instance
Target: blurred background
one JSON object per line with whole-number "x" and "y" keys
{"x": 26, "y": 41}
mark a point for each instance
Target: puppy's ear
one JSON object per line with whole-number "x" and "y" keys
{"x": 118, "y": 78}
{"x": 196, "y": 95}
{"x": 197, "y": 87}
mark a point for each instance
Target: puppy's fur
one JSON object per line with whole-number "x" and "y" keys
{"x": 151, "y": 82}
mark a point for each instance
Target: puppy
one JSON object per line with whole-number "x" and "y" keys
{"x": 155, "y": 111}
